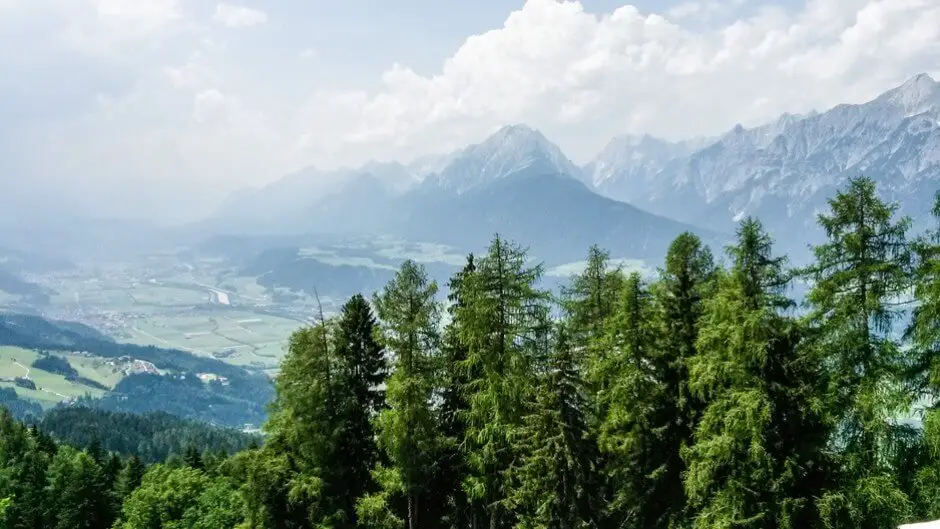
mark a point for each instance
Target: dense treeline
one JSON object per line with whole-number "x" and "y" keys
{"x": 152, "y": 437}
{"x": 44, "y": 484}
{"x": 703, "y": 397}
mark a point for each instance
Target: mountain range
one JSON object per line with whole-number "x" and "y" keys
{"x": 633, "y": 198}
{"x": 516, "y": 183}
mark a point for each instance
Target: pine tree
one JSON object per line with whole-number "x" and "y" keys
{"x": 410, "y": 317}
{"x": 503, "y": 324}
{"x": 760, "y": 440}
{"x": 556, "y": 484}
{"x": 859, "y": 275}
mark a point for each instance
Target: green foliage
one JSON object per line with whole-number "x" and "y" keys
{"x": 152, "y": 437}
{"x": 759, "y": 440}
{"x": 557, "y": 482}
{"x": 504, "y": 324}
{"x": 81, "y": 491}
{"x": 701, "y": 400}
{"x": 182, "y": 498}
{"x": 859, "y": 276}
{"x": 591, "y": 298}
{"x": 407, "y": 429}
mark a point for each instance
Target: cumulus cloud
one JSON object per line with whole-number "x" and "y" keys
{"x": 239, "y": 16}
{"x": 190, "y": 118}
{"x": 559, "y": 68}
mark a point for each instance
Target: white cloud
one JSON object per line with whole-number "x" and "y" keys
{"x": 193, "y": 119}
{"x": 239, "y": 16}
{"x": 582, "y": 77}
{"x": 309, "y": 53}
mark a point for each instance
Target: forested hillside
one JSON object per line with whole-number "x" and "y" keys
{"x": 241, "y": 400}
{"x": 703, "y": 399}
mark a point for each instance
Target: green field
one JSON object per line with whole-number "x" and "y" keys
{"x": 52, "y": 388}
{"x": 240, "y": 338}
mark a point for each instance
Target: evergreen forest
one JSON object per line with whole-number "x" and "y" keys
{"x": 705, "y": 396}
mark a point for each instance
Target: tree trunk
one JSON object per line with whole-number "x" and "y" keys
{"x": 412, "y": 512}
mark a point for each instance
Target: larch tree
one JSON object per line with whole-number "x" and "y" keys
{"x": 454, "y": 407}
{"x": 923, "y": 333}
{"x": 504, "y": 321}
{"x": 858, "y": 280}
{"x": 410, "y": 318}
{"x": 761, "y": 438}
{"x": 625, "y": 435}
{"x": 300, "y": 464}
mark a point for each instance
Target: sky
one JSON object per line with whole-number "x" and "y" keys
{"x": 160, "y": 108}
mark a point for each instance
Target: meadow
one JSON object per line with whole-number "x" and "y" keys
{"x": 52, "y": 388}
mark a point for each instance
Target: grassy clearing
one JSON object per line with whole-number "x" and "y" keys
{"x": 52, "y": 388}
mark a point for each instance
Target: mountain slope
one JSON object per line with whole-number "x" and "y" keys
{"x": 784, "y": 171}
{"x": 555, "y": 215}
{"x": 512, "y": 150}
{"x": 516, "y": 183}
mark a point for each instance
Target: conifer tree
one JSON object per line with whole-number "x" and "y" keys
{"x": 760, "y": 440}
{"x": 860, "y": 273}
{"x": 300, "y": 465}
{"x": 630, "y": 403}
{"x": 685, "y": 283}
{"x": 454, "y": 406}
{"x": 591, "y": 298}
{"x": 362, "y": 374}
{"x": 193, "y": 458}
{"x": 557, "y": 482}
{"x": 924, "y": 335}
{"x": 129, "y": 478}
{"x": 503, "y": 321}
{"x": 410, "y": 317}
{"x": 82, "y": 501}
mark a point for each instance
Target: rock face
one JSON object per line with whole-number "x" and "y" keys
{"x": 516, "y": 183}
{"x": 783, "y": 172}
{"x": 522, "y": 185}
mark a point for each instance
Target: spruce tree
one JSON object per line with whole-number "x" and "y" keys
{"x": 129, "y": 478}
{"x": 193, "y": 458}
{"x": 630, "y": 402}
{"x": 685, "y": 283}
{"x": 410, "y": 317}
{"x": 858, "y": 278}
{"x": 503, "y": 321}
{"x": 82, "y": 501}
{"x": 557, "y": 481}
{"x": 361, "y": 376}
{"x": 453, "y": 409}
{"x": 760, "y": 439}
